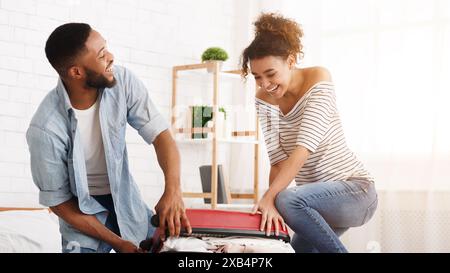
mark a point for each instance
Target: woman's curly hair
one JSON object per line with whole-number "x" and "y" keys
{"x": 275, "y": 35}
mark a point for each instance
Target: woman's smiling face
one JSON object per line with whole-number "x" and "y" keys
{"x": 272, "y": 74}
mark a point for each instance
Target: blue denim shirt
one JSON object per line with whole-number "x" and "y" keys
{"x": 57, "y": 160}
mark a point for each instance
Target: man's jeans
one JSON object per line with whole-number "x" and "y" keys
{"x": 320, "y": 212}
{"x": 111, "y": 223}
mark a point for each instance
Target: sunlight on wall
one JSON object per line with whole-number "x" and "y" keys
{"x": 390, "y": 63}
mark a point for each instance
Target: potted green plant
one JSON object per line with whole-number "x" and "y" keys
{"x": 214, "y": 54}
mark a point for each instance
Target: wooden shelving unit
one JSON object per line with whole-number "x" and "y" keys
{"x": 216, "y": 74}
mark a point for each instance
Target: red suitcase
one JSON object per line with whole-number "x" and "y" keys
{"x": 217, "y": 223}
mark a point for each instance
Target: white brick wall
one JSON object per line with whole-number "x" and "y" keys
{"x": 148, "y": 36}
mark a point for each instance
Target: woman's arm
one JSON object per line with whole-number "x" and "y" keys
{"x": 274, "y": 170}
{"x": 281, "y": 175}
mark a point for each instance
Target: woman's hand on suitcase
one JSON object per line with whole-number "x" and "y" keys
{"x": 269, "y": 215}
{"x": 172, "y": 214}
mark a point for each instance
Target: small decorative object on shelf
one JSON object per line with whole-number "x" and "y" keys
{"x": 221, "y": 121}
{"x": 214, "y": 54}
{"x": 222, "y": 109}
{"x": 200, "y": 117}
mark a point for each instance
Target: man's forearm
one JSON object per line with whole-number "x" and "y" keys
{"x": 168, "y": 160}
{"x": 171, "y": 171}
{"x": 87, "y": 224}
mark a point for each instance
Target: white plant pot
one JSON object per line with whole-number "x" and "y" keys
{"x": 210, "y": 67}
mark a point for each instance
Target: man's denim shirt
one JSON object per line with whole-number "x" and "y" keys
{"x": 57, "y": 160}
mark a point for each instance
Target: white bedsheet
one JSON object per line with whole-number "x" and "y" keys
{"x": 29, "y": 231}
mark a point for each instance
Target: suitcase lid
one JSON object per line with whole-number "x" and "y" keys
{"x": 224, "y": 223}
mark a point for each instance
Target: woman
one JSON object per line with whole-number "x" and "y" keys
{"x": 305, "y": 142}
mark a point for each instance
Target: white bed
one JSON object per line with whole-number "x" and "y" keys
{"x": 29, "y": 230}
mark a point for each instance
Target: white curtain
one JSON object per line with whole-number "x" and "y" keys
{"x": 390, "y": 61}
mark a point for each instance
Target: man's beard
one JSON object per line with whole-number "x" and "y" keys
{"x": 96, "y": 80}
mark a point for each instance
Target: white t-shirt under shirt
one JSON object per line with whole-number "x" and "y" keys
{"x": 94, "y": 153}
{"x": 313, "y": 123}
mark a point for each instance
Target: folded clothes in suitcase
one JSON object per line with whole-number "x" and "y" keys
{"x": 220, "y": 231}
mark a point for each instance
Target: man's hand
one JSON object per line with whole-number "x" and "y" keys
{"x": 172, "y": 214}
{"x": 90, "y": 225}
{"x": 124, "y": 246}
{"x": 269, "y": 215}
{"x": 170, "y": 207}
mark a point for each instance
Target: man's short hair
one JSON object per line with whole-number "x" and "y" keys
{"x": 65, "y": 43}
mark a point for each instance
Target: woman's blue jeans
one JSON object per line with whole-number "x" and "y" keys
{"x": 319, "y": 213}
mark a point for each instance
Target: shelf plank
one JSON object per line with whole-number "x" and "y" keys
{"x": 198, "y": 130}
{"x": 238, "y": 72}
{"x": 197, "y": 194}
{"x": 196, "y": 67}
{"x": 190, "y": 67}
{"x": 242, "y": 195}
{"x": 208, "y": 140}
{"x": 243, "y": 133}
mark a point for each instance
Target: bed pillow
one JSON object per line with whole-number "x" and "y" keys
{"x": 29, "y": 231}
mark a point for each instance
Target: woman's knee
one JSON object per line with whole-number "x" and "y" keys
{"x": 370, "y": 211}
{"x": 288, "y": 199}
{"x": 282, "y": 198}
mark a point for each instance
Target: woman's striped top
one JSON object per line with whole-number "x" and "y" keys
{"x": 313, "y": 123}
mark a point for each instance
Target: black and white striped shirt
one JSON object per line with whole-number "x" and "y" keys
{"x": 313, "y": 123}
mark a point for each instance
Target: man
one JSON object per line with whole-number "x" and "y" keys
{"x": 78, "y": 154}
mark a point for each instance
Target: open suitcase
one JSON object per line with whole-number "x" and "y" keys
{"x": 216, "y": 223}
